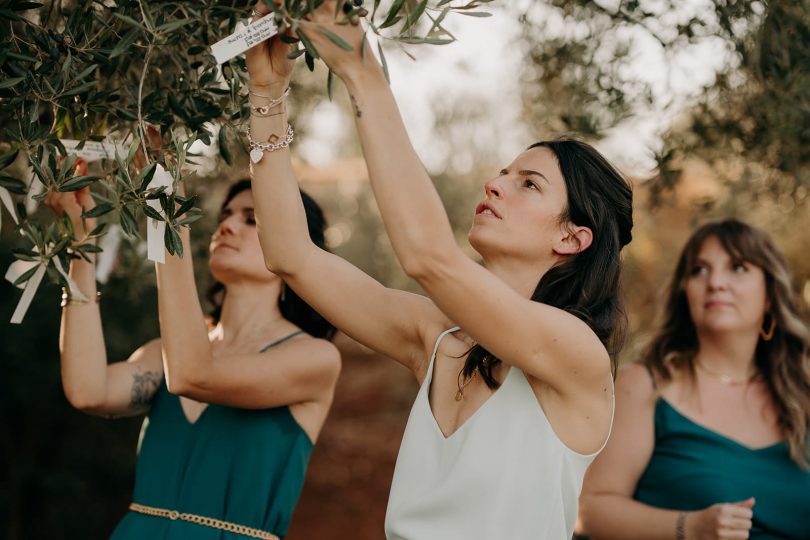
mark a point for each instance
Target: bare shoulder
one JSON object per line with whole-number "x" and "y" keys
{"x": 320, "y": 355}
{"x": 432, "y": 325}
{"x": 148, "y": 359}
{"x": 634, "y": 383}
{"x": 149, "y": 350}
{"x": 318, "y": 348}
{"x": 589, "y": 349}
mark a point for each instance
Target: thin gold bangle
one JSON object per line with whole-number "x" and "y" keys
{"x": 68, "y": 300}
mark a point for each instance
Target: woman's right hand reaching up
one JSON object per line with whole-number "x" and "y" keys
{"x": 73, "y": 203}
{"x": 267, "y": 62}
{"x": 89, "y": 383}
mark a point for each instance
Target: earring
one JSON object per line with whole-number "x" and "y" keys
{"x": 283, "y": 292}
{"x": 767, "y": 335}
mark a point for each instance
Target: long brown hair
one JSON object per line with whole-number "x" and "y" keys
{"x": 293, "y": 308}
{"x": 586, "y": 284}
{"x": 783, "y": 362}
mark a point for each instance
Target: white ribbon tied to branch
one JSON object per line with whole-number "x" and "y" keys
{"x": 90, "y": 151}
{"x": 155, "y": 247}
{"x": 5, "y": 198}
{"x": 18, "y": 268}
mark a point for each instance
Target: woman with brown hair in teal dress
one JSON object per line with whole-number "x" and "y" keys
{"x": 711, "y": 432}
{"x": 234, "y": 407}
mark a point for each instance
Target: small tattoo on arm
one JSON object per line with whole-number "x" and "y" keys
{"x": 357, "y": 112}
{"x": 144, "y": 386}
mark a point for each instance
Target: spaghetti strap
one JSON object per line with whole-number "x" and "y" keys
{"x": 439, "y": 340}
{"x": 281, "y": 340}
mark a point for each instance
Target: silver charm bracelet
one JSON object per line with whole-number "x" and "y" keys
{"x": 264, "y": 110}
{"x": 257, "y": 149}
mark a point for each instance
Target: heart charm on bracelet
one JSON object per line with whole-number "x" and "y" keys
{"x": 256, "y": 155}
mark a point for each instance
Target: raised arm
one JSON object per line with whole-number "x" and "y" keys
{"x": 89, "y": 383}
{"x": 294, "y": 372}
{"x": 545, "y": 342}
{"x": 389, "y": 321}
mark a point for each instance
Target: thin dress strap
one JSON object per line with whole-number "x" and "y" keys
{"x": 280, "y": 341}
{"x": 438, "y": 341}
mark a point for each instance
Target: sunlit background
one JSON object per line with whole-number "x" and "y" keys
{"x": 703, "y": 104}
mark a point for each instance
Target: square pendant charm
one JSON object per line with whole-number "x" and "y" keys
{"x": 256, "y": 155}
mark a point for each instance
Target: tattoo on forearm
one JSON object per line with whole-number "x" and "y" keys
{"x": 144, "y": 386}
{"x": 357, "y": 112}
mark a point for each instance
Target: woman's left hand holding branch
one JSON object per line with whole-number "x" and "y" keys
{"x": 349, "y": 65}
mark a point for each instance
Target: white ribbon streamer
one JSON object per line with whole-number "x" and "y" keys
{"x": 155, "y": 247}
{"x": 5, "y": 198}
{"x": 16, "y": 270}
{"x": 105, "y": 261}
{"x": 91, "y": 151}
{"x": 75, "y": 292}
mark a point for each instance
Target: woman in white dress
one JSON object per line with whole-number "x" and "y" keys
{"x": 513, "y": 357}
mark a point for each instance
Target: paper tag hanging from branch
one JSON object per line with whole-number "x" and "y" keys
{"x": 94, "y": 150}
{"x": 155, "y": 229}
{"x": 105, "y": 260}
{"x": 244, "y": 38}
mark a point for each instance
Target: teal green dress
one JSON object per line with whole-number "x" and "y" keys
{"x": 693, "y": 467}
{"x": 238, "y": 465}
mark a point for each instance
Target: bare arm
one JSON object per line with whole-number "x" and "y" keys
{"x": 294, "y": 372}
{"x": 544, "y": 342}
{"x": 607, "y": 508}
{"x": 89, "y": 383}
{"x": 388, "y": 321}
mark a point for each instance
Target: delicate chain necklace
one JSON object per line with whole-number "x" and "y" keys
{"x": 726, "y": 379}
{"x": 462, "y": 386}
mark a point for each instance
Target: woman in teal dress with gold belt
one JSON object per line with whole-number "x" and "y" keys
{"x": 710, "y": 438}
{"x": 234, "y": 405}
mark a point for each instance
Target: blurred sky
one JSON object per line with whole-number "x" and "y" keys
{"x": 484, "y": 65}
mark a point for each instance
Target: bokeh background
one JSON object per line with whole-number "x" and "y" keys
{"x": 705, "y": 104}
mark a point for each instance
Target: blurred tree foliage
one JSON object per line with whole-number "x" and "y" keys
{"x": 738, "y": 148}
{"x": 750, "y": 125}
{"x": 753, "y": 126}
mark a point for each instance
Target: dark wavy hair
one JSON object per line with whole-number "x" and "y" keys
{"x": 292, "y": 307}
{"x": 783, "y": 362}
{"x": 585, "y": 284}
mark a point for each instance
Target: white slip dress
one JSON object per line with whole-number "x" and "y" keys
{"x": 502, "y": 475}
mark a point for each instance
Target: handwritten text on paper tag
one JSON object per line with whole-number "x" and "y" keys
{"x": 93, "y": 150}
{"x": 244, "y": 38}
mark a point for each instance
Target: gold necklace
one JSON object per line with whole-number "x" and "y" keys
{"x": 462, "y": 386}
{"x": 726, "y": 379}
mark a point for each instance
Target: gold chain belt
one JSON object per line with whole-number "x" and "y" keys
{"x": 202, "y": 520}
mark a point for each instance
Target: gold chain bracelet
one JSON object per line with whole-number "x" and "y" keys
{"x": 202, "y": 520}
